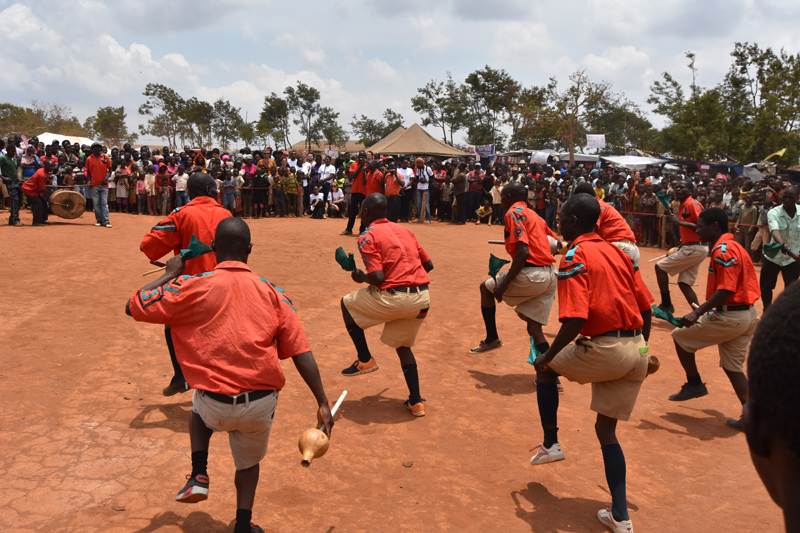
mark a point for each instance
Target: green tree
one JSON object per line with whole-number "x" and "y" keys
{"x": 442, "y": 105}
{"x": 165, "y": 109}
{"x": 392, "y": 121}
{"x": 368, "y": 131}
{"x": 247, "y": 132}
{"x": 624, "y": 125}
{"x": 275, "y": 120}
{"x": 489, "y": 93}
{"x": 198, "y": 117}
{"x": 108, "y": 125}
{"x": 303, "y": 102}
{"x": 329, "y": 128}
{"x": 225, "y": 122}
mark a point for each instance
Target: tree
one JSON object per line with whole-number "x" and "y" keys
{"x": 247, "y": 132}
{"x": 303, "y": 102}
{"x": 442, "y": 105}
{"x": 368, "y": 131}
{"x": 225, "y": 122}
{"x": 275, "y": 119}
{"x": 331, "y": 131}
{"x": 488, "y": 94}
{"x": 392, "y": 121}
{"x": 198, "y": 117}
{"x": 571, "y": 109}
{"x": 108, "y": 125}
{"x": 166, "y": 108}
{"x": 623, "y": 124}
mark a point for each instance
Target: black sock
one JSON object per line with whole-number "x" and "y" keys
{"x": 666, "y": 299}
{"x": 543, "y": 347}
{"x": 694, "y": 380}
{"x": 200, "y": 462}
{"x": 243, "y": 519}
{"x": 491, "y": 325}
{"x": 412, "y": 380}
{"x": 614, "y": 461}
{"x": 547, "y": 396}
{"x": 360, "y": 342}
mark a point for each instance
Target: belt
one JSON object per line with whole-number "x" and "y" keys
{"x": 411, "y": 290}
{"x": 621, "y": 333}
{"x": 742, "y": 307}
{"x": 241, "y": 398}
{"x": 527, "y": 265}
{"x": 693, "y": 243}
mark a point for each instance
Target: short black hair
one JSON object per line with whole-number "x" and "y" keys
{"x": 585, "y": 207}
{"x": 584, "y": 187}
{"x": 773, "y": 368}
{"x": 715, "y": 214}
{"x": 232, "y": 235}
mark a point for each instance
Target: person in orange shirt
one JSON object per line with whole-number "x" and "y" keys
{"x": 358, "y": 191}
{"x": 200, "y": 218}
{"x": 529, "y": 285}
{"x": 97, "y": 166}
{"x": 611, "y": 226}
{"x": 374, "y": 178}
{"x": 33, "y": 189}
{"x": 686, "y": 261}
{"x": 397, "y": 296}
{"x": 393, "y": 183}
{"x": 231, "y": 330}
{"x": 602, "y": 298}
{"x": 728, "y": 317}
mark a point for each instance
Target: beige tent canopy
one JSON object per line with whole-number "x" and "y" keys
{"x": 414, "y": 141}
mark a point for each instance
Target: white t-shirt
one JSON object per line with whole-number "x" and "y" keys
{"x": 315, "y": 197}
{"x": 427, "y": 174}
{"x": 292, "y": 162}
{"x": 335, "y": 196}
{"x": 306, "y": 172}
{"x": 326, "y": 172}
{"x": 180, "y": 181}
{"x": 407, "y": 174}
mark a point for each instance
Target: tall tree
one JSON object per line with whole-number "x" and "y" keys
{"x": 368, "y": 131}
{"x": 329, "y": 128}
{"x": 198, "y": 117}
{"x": 39, "y": 118}
{"x": 165, "y": 109}
{"x": 441, "y": 105}
{"x": 489, "y": 93}
{"x": 392, "y": 121}
{"x": 304, "y": 105}
{"x": 108, "y": 124}
{"x": 275, "y": 119}
{"x": 225, "y": 122}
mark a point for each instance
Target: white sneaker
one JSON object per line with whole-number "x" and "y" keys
{"x": 108, "y": 225}
{"x": 606, "y": 518}
{"x": 547, "y": 455}
{"x": 98, "y": 224}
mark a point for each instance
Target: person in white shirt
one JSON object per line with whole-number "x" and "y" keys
{"x": 327, "y": 172}
{"x": 317, "y": 204}
{"x": 423, "y": 176}
{"x": 336, "y": 202}
{"x": 179, "y": 180}
{"x": 292, "y": 160}
{"x": 405, "y": 199}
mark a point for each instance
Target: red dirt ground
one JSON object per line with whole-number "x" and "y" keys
{"x": 86, "y": 431}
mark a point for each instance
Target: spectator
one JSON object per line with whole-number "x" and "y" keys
{"x": 746, "y": 223}
{"x": 460, "y": 189}
{"x": 317, "y": 204}
{"x": 10, "y": 177}
{"x": 336, "y": 203}
{"x": 784, "y": 227}
{"x": 180, "y": 179}
{"x": 97, "y": 170}
{"x": 33, "y": 189}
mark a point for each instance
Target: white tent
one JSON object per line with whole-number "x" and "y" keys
{"x": 631, "y": 161}
{"x": 48, "y": 138}
{"x": 580, "y": 158}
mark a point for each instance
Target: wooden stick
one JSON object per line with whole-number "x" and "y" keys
{"x": 657, "y": 258}
{"x": 496, "y": 242}
{"x": 154, "y": 271}
{"x": 336, "y": 406}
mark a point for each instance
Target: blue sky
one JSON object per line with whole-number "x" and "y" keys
{"x": 363, "y": 56}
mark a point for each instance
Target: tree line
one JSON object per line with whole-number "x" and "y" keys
{"x": 752, "y": 113}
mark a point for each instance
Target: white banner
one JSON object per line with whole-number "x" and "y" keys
{"x": 596, "y": 141}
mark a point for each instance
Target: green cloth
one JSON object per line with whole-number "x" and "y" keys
{"x": 666, "y": 315}
{"x": 196, "y": 249}
{"x": 772, "y": 249}
{"x": 534, "y": 353}
{"x": 495, "y": 264}
{"x": 664, "y": 198}
{"x": 345, "y": 260}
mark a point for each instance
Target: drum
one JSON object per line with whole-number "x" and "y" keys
{"x": 67, "y": 204}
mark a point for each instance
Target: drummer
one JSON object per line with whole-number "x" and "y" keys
{"x": 33, "y": 189}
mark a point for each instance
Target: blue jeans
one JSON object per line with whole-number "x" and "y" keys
{"x": 100, "y": 201}
{"x": 427, "y": 204}
{"x": 181, "y": 198}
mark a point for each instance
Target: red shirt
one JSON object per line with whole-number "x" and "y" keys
{"x": 358, "y": 186}
{"x": 199, "y": 218}
{"x": 374, "y": 182}
{"x": 394, "y": 249}
{"x": 392, "y": 186}
{"x": 731, "y": 269}
{"x": 611, "y": 226}
{"x": 689, "y": 210}
{"x": 229, "y": 328}
{"x": 598, "y": 282}
{"x": 478, "y": 185}
{"x": 524, "y": 225}
{"x": 36, "y": 183}
{"x": 97, "y": 169}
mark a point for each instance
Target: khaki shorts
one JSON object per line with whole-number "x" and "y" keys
{"x": 685, "y": 262}
{"x": 531, "y": 293}
{"x": 402, "y": 312}
{"x": 614, "y": 366}
{"x": 630, "y": 249}
{"x": 248, "y": 425}
{"x": 731, "y": 330}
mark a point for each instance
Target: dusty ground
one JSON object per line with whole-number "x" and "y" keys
{"x": 86, "y": 431}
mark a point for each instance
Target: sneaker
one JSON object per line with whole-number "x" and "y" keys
{"x": 345, "y": 232}
{"x": 175, "y": 388}
{"x": 36, "y": 224}
{"x": 669, "y": 308}
{"x": 108, "y": 225}
{"x": 735, "y": 424}
{"x": 547, "y": 455}
{"x": 98, "y": 224}
{"x": 361, "y": 368}
{"x": 195, "y": 490}
{"x": 689, "y": 391}
{"x": 417, "y": 409}
{"x": 607, "y": 519}
{"x": 483, "y": 347}
{"x": 255, "y": 529}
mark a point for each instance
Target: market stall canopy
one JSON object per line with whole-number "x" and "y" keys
{"x": 540, "y": 156}
{"x": 414, "y": 141}
{"x": 630, "y": 161}
{"x": 580, "y": 158}
{"x": 48, "y": 138}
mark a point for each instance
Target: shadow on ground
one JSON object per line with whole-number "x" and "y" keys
{"x": 174, "y": 416}
{"x": 505, "y": 385}
{"x": 376, "y": 409}
{"x": 709, "y": 427}
{"x": 196, "y": 522}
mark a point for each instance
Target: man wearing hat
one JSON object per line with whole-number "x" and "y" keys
{"x": 97, "y": 167}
